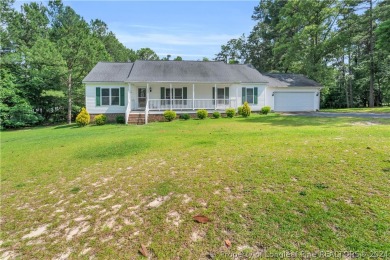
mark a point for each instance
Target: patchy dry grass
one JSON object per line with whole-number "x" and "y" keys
{"x": 268, "y": 184}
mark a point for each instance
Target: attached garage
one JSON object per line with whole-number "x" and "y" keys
{"x": 292, "y": 93}
{"x": 294, "y": 101}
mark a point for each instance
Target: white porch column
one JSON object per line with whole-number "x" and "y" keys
{"x": 147, "y": 103}
{"x": 147, "y": 95}
{"x": 236, "y": 97}
{"x": 171, "y": 94}
{"x": 215, "y": 95}
{"x": 193, "y": 96}
{"x": 129, "y": 97}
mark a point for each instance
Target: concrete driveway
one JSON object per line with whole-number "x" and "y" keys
{"x": 329, "y": 114}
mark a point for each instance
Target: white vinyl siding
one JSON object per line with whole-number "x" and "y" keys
{"x": 90, "y": 98}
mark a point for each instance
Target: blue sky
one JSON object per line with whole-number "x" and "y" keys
{"x": 190, "y": 29}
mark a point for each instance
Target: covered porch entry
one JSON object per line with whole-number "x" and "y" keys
{"x": 181, "y": 96}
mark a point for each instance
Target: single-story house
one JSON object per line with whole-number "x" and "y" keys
{"x": 143, "y": 90}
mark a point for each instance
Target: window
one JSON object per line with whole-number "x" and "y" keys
{"x": 249, "y": 95}
{"x": 222, "y": 95}
{"x": 115, "y": 96}
{"x": 105, "y": 96}
{"x": 167, "y": 93}
{"x": 110, "y": 96}
{"x": 178, "y": 93}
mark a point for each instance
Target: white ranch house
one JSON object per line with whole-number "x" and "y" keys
{"x": 143, "y": 90}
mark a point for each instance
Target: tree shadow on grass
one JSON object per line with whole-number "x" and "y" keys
{"x": 112, "y": 150}
{"x": 282, "y": 120}
{"x": 66, "y": 126}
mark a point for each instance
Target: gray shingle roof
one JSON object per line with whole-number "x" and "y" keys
{"x": 193, "y": 71}
{"x": 109, "y": 72}
{"x": 289, "y": 80}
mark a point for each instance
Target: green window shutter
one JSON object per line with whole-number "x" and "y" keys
{"x": 184, "y": 92}
{"x": 213, "y": 95}
{"x": 162, "y": 96}
{"x": 255, "y": 95}
{"x": 243, "y": 95}
{"x": 227, "y": 93}
{"x": 122, "y": 96}
{"x": 97, "y": 97}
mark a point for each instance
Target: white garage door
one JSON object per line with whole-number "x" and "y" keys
{"x": 294, "y": 101}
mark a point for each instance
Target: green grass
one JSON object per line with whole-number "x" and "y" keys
{"x": 359, "y": 110}
{"x": 270, "y": 183}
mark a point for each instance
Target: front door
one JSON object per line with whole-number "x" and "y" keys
{"x": 141, "y": 98}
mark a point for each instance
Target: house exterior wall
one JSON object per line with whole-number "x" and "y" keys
{"x": 236, "y": 93}
{"x": 202, "y": 91}
{"x": 90, "y": 98}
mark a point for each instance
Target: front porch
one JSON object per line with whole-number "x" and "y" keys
{"x": 189, "y": 104}
{"x": 155, "y": 98}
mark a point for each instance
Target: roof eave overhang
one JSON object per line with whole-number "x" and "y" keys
{"x": 295, "y": 86}
{"x": 194, "y": 82}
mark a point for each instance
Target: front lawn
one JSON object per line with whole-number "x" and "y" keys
{"x": 359, "y": 110}
{"x": 269, "y": 184}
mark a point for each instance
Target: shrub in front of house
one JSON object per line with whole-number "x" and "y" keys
{"x": 239, "y": 110}
{"x": 246, "y": 110}
{"x": 100, "y": 119}
{"x": 185, "y": 116}
{"x": 169, "y": 115}
{"x": 120, "y": 120}
{"x": 265, "y": 110}
{"x": 230, "y": 112}
{"x": 83, "y": 118}
{"x": 216, "y": 114}
{"x": 202, "y": 113}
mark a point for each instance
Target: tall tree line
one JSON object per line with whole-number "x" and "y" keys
{"x": 343, "y": 44}
{"x": 45, "y": 52}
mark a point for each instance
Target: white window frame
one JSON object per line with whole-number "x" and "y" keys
{"x": 174, "y": 93}
{"x": 110, "y": 96}
{"x": 253, "y": 95}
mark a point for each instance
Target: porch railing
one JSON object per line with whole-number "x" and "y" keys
{"x": 190, "y": 104}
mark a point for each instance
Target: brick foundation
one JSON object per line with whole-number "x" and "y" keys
{"x": 111, "y": 118}
{"x": 160, "y": 117}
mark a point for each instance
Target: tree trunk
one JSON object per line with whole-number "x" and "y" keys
{"x": 371, "y": 95}
{"x": 344, "y": 83}
{"x": 350, "y": 80}
{"x": 70, "y": 97}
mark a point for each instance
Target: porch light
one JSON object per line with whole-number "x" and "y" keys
{"x": 150, "y": 89}
{"x": 317, "y": 94}
{"x": 273, "y": 93}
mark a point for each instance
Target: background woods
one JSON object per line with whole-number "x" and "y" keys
{"x": 47, "y": 49}
{"x": 343, "y": 44}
